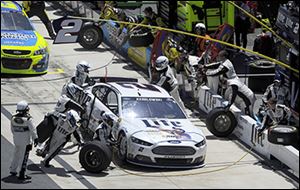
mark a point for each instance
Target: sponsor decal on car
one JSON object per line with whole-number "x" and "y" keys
{"x": 174, "y": 130}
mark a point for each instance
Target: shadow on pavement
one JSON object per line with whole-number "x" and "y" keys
{"x": 100, "y": 50}
{"x": 14, "y": 179}
{"x": 51, "y": 170}
{"x": 85, "y": 173}
{"x": 3, "y": 75}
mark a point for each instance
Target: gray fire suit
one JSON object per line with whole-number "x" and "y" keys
{"x": 238, "y": 87}
{"x": 23, "y": 130}
{"x": 59, "y": 138}
{"x": 281, "y": 94}
{"x": 169, "y": 82}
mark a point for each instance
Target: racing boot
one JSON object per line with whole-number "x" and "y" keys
{"x": 13, "y": 173}
{"x": 46, "y": 164}
{"x": 50, "y": 30}
{"x": 24, "y": 177}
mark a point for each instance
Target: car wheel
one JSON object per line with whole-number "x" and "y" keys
{"x": 90, "y": 37}
{"x": 95, "y": 156}
{"x": 283, "y": 134}
{"x": 122, "y": 147}
{"x": 141, "y": 40}
{"x": 221, "y": 123}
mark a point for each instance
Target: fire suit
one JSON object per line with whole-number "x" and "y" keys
{"x": 168, "y": 81}
{"x": 78, "y": 80}
{"x": 238, "y": 87}
{"x": 23, "y": 130}
{"x": 280, "y": 94}
{"x": 212, "y": 81}
{"x": 63, "y": 105}
{"x": 61, "y": 135}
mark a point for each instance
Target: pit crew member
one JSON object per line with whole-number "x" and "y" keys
{"x": 37, "y": 8}
{"x": 238, "y": 88}
{"x": 167, "y": 80}
{"x": 64, "y": 104}
{"x": 81, "y": 76}
{"x": 66, "y": 125}
{"x": 22, "y": 130}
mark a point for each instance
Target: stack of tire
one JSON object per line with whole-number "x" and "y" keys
{"x": 221, "y": 123}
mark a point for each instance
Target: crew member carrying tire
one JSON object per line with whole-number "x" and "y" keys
{"x": 238, "y": 88}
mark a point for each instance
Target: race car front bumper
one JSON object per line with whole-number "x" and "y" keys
{"x": 30, "y": 64}
{"x": 166, "y": 155}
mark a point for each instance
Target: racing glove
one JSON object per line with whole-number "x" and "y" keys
{"x": 227, "y": 108}
{"x": 35, "y": 142}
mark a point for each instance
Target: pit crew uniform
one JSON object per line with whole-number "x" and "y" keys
{"x": 66, "y": 125}
{"x": 23, "y": 130}
{"x": 238, "y": 87}
{"x": 63, "y": 105}
{"x": 168, "y": 81}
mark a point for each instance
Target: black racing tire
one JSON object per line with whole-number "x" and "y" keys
{"x": 141, "y": 40}
{"x": 95, "y": 156}
{"x": 221, "y": 123}
{"x": 122, "y": 148}
{"x": 90, "y": 37}
{"x": 283, "y": 134}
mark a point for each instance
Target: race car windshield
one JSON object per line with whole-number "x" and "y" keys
{"x": 14, "y": 21}
{"x": 151, "y": 108}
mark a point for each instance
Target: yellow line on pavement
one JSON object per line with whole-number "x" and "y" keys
{"x": 58, "y": 71}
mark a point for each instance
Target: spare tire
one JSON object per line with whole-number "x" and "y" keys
{"x": 283, "y": 134}
{"x": 90, "y": 37}
{"x": 141, "y": 40}
{"x": 221, "y": 123}
{"x": 95, "y": 156}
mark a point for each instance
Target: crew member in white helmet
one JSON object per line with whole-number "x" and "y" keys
{"x": 167, "y": 80}
{"x": 23, "y": 131}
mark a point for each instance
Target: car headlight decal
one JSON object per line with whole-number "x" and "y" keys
{"x": 41, "y": 51}
{"x": 199, "y": 144}
{"x": 141, "y": 142}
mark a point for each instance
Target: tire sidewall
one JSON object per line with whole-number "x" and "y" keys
{"x": 212, "y": 116}
{"x": 277, "y": 136}
{"x": 121, "y": 156}
{"x": 82, "y": 32}
{"x": 104, "y": 152}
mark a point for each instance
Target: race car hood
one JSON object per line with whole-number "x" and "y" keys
{"x": 158, "y": 130}
{"x": 19, "y": 38}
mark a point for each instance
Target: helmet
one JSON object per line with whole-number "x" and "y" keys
{"x": 82, "y": 66}
{"x": 161, "y": 63}
{"x": 22, "y": 106}
{"x": 278, "y": 79}
{"x": 73, "y": 91}
{"x": 201, "y": 27}
{"x": 81, "y": 73}
{"x": 73, "y": 118}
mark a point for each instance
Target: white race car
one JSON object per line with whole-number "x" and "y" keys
{"x": 152, "y": 129}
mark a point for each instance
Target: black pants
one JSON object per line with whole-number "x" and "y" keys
{"x": 238, "y": 35}
{"x": 43, "y": 17}
{"x": 39, "y": 13}
{"x": 241, "y": 30}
